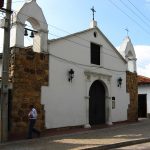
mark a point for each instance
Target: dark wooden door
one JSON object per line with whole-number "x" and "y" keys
{"x": 142, "y": 106}
{"x": 97, "y": 103}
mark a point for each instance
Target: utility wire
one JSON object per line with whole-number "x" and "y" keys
{"x": 138, "y": 10}
{"x": 79, "y": 44}
{"x": 135, "y": 13}
{"x": 82, "y": 46}
{"x": 15, "y": 2}
{"x": 75, "y": 63}
{"x": 70, "y": 40}
{"x": 146, "y": 31}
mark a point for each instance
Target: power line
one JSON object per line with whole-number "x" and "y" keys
{"x": 79, "y": 44}
{"x": 146, "y": 31}
{"x": 15, "y": 2}
{"x": 138, "y": 10}
{"x": 134, "y": 13}
{"x": 75, "y": 63}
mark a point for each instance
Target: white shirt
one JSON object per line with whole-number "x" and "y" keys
{"x": 33, "y": 114}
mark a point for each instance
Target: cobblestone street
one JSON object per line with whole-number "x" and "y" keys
{"x": 86, "y": 139}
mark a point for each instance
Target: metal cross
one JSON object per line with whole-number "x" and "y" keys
{"x": 127, "y": 31}
{"x": 93, "y": 10}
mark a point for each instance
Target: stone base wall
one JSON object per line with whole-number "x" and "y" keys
{"x": 132, "y": 89}
{"x": 28, "y": 72}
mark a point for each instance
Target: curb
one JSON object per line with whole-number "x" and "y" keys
{"x": 121, "y": 144}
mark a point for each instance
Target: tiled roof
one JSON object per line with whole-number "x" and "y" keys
{"x": 143, "y": 80}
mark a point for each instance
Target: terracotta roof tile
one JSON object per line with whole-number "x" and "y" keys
{"x": 143, "y": 80}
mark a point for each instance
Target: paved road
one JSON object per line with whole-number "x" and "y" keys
{"x": 87, "y": 139}
{"x": 144, "y": 146}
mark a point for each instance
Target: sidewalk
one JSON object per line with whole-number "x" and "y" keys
{"x": 106, "y": 138}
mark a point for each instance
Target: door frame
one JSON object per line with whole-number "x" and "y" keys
{"x": 106, "y": 79}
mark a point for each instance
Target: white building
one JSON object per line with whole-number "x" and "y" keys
{"x": 143, "y": 96}
{"x": 87, "y": 74}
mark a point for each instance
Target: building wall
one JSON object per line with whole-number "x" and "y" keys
{"x": 29, "y": 71}
{"x": 66, "y": 103}
{"x": 42, "y": 80}
{"x": 132, "y": 89}
{"x": 144, "y": 89}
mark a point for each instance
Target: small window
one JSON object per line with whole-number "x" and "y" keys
{"x": 95, "y": 54}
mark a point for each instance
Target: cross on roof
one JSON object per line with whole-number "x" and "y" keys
{"x": 127, "y": 31}
{"x": 93, "y": 10}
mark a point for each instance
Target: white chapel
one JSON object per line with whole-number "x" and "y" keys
{"x": 89, "y": 81}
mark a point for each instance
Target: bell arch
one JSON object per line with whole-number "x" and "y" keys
{"x": 130, "y": 60}
{"x": 32, "y": 13}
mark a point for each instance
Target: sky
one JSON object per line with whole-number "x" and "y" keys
{"x": 113, "y": 17}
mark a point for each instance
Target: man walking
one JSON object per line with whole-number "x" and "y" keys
{"x": 32, "y": 120}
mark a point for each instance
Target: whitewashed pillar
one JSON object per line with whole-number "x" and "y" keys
{"x": 87, "y": 83}
{"x": 109, "y": 108}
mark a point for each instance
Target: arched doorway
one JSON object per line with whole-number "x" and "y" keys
{"x": 97, "y": 103}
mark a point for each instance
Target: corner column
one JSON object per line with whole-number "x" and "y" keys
{"x": 109, "y": 108}
{"x": 87, "y": 84}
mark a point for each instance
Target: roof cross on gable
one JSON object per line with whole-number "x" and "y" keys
{"x": 93, "y": 10}
{"x": 127, "y": 31}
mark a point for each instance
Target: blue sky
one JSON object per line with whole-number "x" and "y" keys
{"x": 75, "y": 15}
{"x": 112, "y": 16}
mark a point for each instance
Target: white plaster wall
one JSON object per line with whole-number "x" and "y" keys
{"x": 65, "y": 103}
{"x": 145, "y": 89}
{"x": 121, "y": 100}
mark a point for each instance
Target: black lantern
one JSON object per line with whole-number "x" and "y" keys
{"x": 119, "y": 82}
{"x": 70, "y": 75}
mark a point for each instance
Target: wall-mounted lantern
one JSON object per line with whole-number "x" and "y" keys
{"x": 70, "y": 75}
{"x": 119, "y": 82}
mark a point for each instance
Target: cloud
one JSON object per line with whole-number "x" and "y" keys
{"x": 143, "y": 59}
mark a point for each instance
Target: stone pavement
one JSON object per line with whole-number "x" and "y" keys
{"x": 106, "y": 138}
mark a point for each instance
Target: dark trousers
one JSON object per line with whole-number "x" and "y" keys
{"x": 32, "y": 129}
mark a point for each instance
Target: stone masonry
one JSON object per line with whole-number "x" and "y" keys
{"x": 132, "y": 89}
{"x": 28, "y": 72}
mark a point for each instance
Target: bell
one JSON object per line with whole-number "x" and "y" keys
{"x": 25, "y": 32}
{"x": 32, "y": 34}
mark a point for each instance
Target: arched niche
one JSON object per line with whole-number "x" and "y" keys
{"x": 131, "y": 61}
{"x": 32, "y": 13}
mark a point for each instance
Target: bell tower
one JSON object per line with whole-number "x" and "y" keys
{"x": 128, "y": 52}
{"x": 32, "y": 13}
